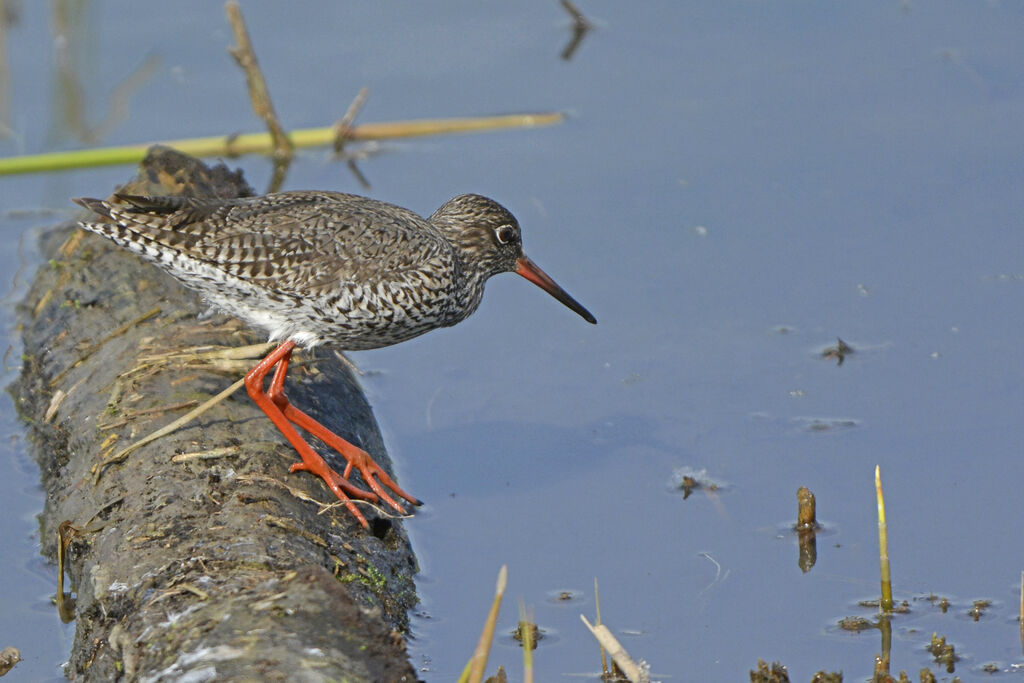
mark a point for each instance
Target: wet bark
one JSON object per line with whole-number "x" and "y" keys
{"x": 222, "y": 566}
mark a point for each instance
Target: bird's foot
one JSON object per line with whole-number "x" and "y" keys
{"x": 339, "y": 485}
{"x": 284, "y": 415}
{"x": 372, "y": 473}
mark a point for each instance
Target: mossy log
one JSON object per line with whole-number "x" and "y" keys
{"x": 217, "y": 563}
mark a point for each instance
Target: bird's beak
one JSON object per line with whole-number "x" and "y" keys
{"x": 534, "y": 274}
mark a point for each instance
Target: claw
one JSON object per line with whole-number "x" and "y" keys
{"x": 283, "y": 414}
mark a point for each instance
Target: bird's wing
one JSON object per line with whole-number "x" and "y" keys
{"x": 300, "y": 244}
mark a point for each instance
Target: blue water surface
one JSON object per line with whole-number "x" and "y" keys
{"x": 736, "y": 185}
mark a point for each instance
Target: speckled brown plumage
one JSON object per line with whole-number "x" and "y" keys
{"x": 313, "y": 267}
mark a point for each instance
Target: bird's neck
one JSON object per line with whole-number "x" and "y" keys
{"x": 469, "y": 290}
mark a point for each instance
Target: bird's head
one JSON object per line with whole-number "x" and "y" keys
{"x": 488, "y": 236}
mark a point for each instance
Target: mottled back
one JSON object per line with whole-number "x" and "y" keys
{"x": 311, "y": 266}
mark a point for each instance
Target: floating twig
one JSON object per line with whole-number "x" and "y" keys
{"x": 343, "y": 131}
{"x": 575, "y": 13}
{"x": 343, "y": 126}
{"x": 259, "y": 94}
{"x": 580, "y": 27}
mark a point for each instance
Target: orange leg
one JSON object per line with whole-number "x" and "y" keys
{"x": 277, "y": 407}
{"x": 355, "y": 456}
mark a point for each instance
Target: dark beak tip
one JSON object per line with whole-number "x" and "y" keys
{"x": 586, "y": 315}
{"x": 529, "y": 270}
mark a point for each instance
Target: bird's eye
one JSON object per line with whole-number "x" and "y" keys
{"x": 505, "y": 234}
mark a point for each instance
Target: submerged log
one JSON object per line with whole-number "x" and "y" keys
{"x": 199, "y": 555}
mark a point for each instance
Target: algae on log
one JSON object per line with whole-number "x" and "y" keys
{"x": 209, "y": 568}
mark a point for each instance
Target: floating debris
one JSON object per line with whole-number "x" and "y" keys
{"x": 807, "y": 528}
{"x": 9, "y": 656}
{"x": 943, "y": 652}
{"x": 689, "y": 480}
{"x": 840, "y": 351}
{"x": 856, "y": 624}
{"x": 826, "y": 424}
{"x": 806, "y": 517}
{"x": 978, "y": 609}
{"x": 938, "y": 601}
{"x": 520, "y": 636}
{"x": 580, "y": 26}
{"x": 776, "y": 673}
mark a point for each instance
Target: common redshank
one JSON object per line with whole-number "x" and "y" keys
{"x": 313, "y": 268}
